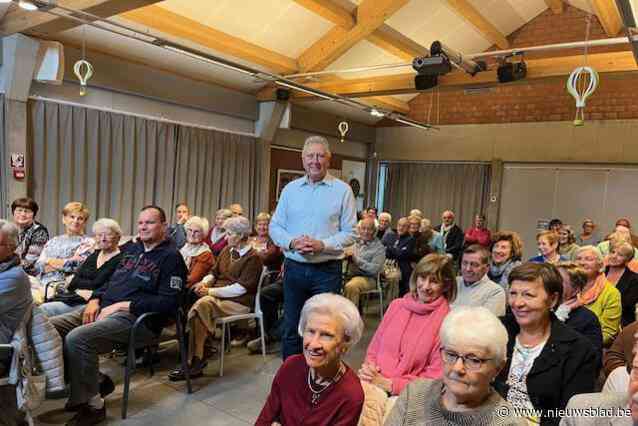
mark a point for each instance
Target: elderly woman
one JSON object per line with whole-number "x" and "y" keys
{"x": 230, "y": 290}
{"x": 318, "y": 388}
{"x": 434, "y": 238}
{"x": 507, "y": 251}
{"x": 548, "y": 248}
{"x": 197, "y": 255}
{"x": 599, "y": 295}
{"x": 271, "y": 255}
{"x": 472, "y": 357}
{"x": 548, "y": 362}
{"x": 567, "y": 242}
{"x": 625, "y": 280}
{"x": 216, "y": 238}
{"x": 571, "y": 312}
{"x": 421, "y": 241}
{"x": 588, "y": 236}
{"x": 406, "y": 345}
{"x": 33, "y": 235}
{"x": 63, "y": 255}
{"x": 93, "y": 273}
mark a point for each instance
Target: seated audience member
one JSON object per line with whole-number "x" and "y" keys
{"x": 465, "y": 395}
{"x": 555, "y": 225}
{"x": 216, "y": 238}
{"x": 385, "y": 227}
{"x": 63, "y": 255}
{"x": 621, "y": 233}
{"x": 236, "y": 209}
{"x": 624, "y": 222}
{"x": 177, "y": 231}
{"x": 318, "y": 387}
{"x": 599, "y": 295}
{"x": 197, "y": 255}
{"x": 33, "y": 235}
{"x": 474, "y": 287}
{"x": 421, "y": 241}
{"x": 400, "y": 247}
{"x": 478, "y": 233}
{"x": 507, "y": 251}
{"x": 435, "y": 240}
{"x": 548, "y": 248}
{"x": 365, "y": 261}
{"x": 148, "y": 279}
{"x": 230, "y": 290}
{"x": 406, "y": 346}
{"x": 452, "y": 236}
{"x": 372, "y": 214}
{"x": 571, "y": 312}
{"x": 618, "y": 358}
{"x": 417, "y": 213}
{"x": 93, "y": 273}
{"x": 589, "y": 236}
{"x": 626, "y": 281}
{"x": 271, "y": 255}
{"x": 619, "y": 408}
{"x": 547, "y": 361}
{"x": 567, "y": 242}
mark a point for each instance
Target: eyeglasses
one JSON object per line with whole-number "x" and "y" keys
{"x": 470, "y": 362}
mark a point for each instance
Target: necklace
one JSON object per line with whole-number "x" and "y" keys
{"x": 318, "y": 388}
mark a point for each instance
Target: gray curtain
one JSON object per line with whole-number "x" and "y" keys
{"x": 214, "y": 170}
{"x": 113, "y": 163}
{"x": 434, "y": 188}
{"x": 5, "y": 211}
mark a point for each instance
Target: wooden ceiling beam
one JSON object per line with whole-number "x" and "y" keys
{"x": 18, "y": 20}
{"x": 387, "y": 102}
{"x": 608, "y": 15}
{"x": 371, "y": 14}
{"x": 175, "y": 25}
{"x": 557, "y": 6}
{"x": 465, "y": 9}
{"x": 614, "y": 62}
{"x": 386, "y": 37}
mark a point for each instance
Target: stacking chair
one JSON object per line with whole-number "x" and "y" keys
{"x": 378, "y": 290}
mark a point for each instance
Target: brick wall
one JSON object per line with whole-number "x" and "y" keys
{"x": 536, "y": 100}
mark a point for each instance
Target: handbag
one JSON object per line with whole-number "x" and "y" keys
{"x": 391, "y": 271}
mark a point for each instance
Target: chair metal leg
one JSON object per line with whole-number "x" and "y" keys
{"x": 381, "y": 304}
{"x": 183, "y": 354}
{"x": 128, "y": 370}
{"x": 263, "y": 337}
{"x": 223, "y": 350}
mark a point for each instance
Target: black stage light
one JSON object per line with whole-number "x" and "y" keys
{"x": 509, "y": 72}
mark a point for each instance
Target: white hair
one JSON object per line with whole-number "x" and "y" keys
{"x": 109, "y": 224}
{"x": 386, "y": 214}
{"x": 374, "y": 224}
{"x": 416, "y": 212}
{"x": 426, "y": 223}
{"x": 316, "y": 140}
{"x": 238, "y": 225}
{"x": 593, "y": 249}
{"x": 337, "y": 307}
{"x": 486, "y": 331}
{"x": 200, "y": 222}
{"x": 224, "y": 212}
{"x": 11, "y": 231}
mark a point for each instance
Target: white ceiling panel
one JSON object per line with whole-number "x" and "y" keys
{"x": 364, "y": 54}
{"x": 528, "y": 9}
{"x": 582, "y": 4}
{"x": 501, "y": 14}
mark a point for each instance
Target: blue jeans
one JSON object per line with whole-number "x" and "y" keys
{"x": 53, "y": 309}
{"x": 301, "y": 282}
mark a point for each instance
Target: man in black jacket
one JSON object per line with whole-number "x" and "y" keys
{"x": 400, "y": 247}
{"x": 452, "y": 236}
{"x": 148, "y": 279}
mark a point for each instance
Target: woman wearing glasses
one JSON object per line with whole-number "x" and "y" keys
{"x": 547, "y": 361}
{"x": 472, "y": 357}
{"x": 406, "y": 345}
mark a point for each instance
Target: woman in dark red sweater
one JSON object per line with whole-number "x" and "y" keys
{"x": 318, "y": 387}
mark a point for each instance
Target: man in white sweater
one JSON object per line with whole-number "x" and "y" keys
{"x": 474, "y": 288}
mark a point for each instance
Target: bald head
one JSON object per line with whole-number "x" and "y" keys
{"x": 448, "y": 217}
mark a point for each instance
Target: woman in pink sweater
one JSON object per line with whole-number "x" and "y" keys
{"x": 406, "y": 345}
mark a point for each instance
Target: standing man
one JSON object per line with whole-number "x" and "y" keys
{"x": 176, "y": 231}
{"x": 452, "y": 235}
{"x": 313, "y": 222}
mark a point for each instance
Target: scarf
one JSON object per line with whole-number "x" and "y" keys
{"x": 217, "y": 234}
{"x": 589, "y": 296}
{"x": 14, "y": 260}
{"x": 497, "y": 271}
{"x": 189, "y": 251}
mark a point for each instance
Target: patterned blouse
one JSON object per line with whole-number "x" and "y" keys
{"x": 31, "y": 241}
{"x": 74, "y": 248}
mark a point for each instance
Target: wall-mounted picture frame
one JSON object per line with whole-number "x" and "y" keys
{"x": 285, "y": 176}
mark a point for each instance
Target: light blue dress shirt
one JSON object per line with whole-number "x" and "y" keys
{"x": 324, "y": 211}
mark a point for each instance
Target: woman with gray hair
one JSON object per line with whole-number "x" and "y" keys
{"x": 93, "y": 273}
{"x": 216, "y": 238}
{"x": 318, "y": 388}
{"x": 472, "y": 358}
{"x": 626, "y": 281}
{"x": 229, "y": 290}
{"x": 197, "y": 255}
{"x": 599, "y": 295}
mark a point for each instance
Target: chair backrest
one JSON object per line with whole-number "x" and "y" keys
{"x": 265, "y": 274}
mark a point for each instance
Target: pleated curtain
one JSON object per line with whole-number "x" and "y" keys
{"x": 4, "y": 170}
{"x": 434, "y": 188}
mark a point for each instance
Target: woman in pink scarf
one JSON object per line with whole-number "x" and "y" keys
{"x": 406, "y": 345}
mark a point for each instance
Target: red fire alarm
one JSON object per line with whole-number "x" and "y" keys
{"x": 17, "y": 165}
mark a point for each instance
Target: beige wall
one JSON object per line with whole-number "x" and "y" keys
{"x": 610, "y": 141}
{"x": 293, "y": 138}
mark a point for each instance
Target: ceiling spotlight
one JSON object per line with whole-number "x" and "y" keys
{"x": 512, "y": 69}
{"x": 376, "y": 113}
{"x": 27, "y": 5}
